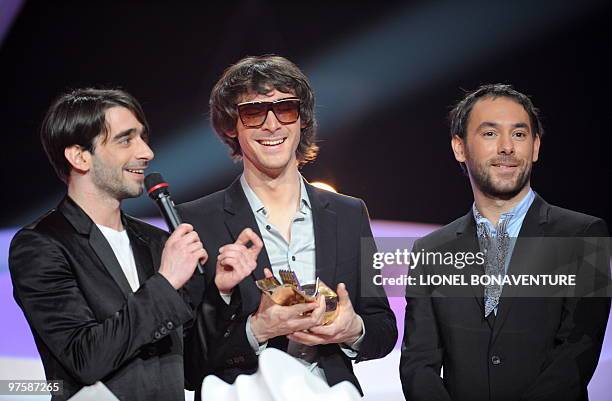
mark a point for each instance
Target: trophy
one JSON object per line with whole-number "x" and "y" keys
{"x": 291, "y": 292}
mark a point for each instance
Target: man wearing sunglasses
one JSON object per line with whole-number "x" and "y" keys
{"x": 263, "y": 109}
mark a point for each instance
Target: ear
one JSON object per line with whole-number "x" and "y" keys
{"x": 536, "y": 149}
{"x": 231, "y": 134}
{"x": 458, "y": 146}
{"x": 79, "y": 158}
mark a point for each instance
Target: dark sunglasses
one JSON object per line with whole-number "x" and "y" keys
{"x": 254, "y": 114}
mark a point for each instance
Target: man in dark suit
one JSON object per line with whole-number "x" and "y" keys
{"x": 98, "y": 287}
{"x": 507, "y": 342}
{"x": 263, "y": 108}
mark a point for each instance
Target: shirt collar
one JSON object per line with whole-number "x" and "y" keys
{"x": 257, "y": 205}
{"x": 518, "y": 211}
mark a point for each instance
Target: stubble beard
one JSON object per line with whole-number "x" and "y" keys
{"x": 479, "y": 173}
{"x": 110, "y": 181}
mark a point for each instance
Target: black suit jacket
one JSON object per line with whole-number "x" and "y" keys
{"x": 340, "y": 223}
{"x": 87, "y": 323}
{"x": 536, "y": 348}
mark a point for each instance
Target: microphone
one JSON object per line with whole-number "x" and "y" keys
{"x": 157, "y": 188}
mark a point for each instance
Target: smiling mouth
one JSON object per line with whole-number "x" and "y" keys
{"x": 135, "y": 171}
{"x": 271, "y": 142}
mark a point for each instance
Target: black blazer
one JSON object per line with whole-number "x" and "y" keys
{"x": 340, "y": 222}
{"x": 536, "y": 348}
{"x": 87, "y": 323}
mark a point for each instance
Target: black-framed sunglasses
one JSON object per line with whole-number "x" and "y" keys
{"x": 254, "y": 114}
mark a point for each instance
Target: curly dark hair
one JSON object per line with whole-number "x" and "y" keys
{"x": 261, "y": 74}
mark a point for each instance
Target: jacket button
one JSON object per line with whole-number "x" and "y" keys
{"x": 157, "y": 335}
{"x": 495, "y": 360}
{"x": 170, "y": 325}
{"x": 163, "y": 330}
{"x": 227, "y": 334}
{"x": 233, "y": 316}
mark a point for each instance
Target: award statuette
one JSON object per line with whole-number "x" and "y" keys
{"x": 291, "y": 292}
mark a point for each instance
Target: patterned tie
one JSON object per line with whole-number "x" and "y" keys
{"x": 495, "y": 249}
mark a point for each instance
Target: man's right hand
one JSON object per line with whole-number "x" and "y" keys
{"x": 236, "y": 261}
{"x": 272, "y": 320}
{"x": 181, "y": 254}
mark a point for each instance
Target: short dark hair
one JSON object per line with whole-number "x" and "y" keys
{"x": 261, "y": 74}
{"x": 77, "y": 118}
{"x": 460, "y": 113}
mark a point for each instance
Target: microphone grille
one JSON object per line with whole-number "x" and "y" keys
{"x": 155, "y": 184}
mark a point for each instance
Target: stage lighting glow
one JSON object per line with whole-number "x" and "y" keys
{"x": 324, "y": 186}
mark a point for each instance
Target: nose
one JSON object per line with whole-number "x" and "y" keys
{"x": 505, "y": 144}
{"x": 271, "y": 124}
{"x": 144, "y": 151}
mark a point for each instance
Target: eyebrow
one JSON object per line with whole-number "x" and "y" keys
{"x": 491, "y": 124}
{"x": 123, "y": 134}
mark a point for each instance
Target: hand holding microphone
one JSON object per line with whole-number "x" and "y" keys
{"x": 183, "y": 250}
{"x": 181, "y": 254}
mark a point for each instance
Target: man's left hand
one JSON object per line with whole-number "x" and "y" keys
{"x": 345, "y": 329}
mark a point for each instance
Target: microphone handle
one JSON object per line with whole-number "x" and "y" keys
{"x": 169, "y": 212}
{"x": 166, "y": 206}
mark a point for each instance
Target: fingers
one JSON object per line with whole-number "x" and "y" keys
{"x": 194, "y": 246}
{"x": 312, "y": 336}
{"x": 268, "y": 273}
{"x": 299, "y": 317}
{"x": 327, "y": 331}
{"x": 181, "y": 230}
{"x": 343, "y": 295}
{"x": 265, "y": 301}
{"x": 235, "y": 255}
{"x": 181, "y": 252}
{"x": 237, "y": 260}
{"x": 202, "y": 256}
{"x": 191, "y": 236}
{"x": 317, "y": 314}
{"x": 233, "y": 247}
{"x": 184, "y": 236}
{"x": 247, "y": 235}
{"x": 300, "y": 309}
{"x": 198, "y": 251}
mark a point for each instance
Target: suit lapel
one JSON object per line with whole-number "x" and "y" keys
{"x": 467, "y": 241}
{"x": 238, "y": 216}
{"x": 107, "y": 257}
{"x": 527, "y": 245}
{"x": 325, "y": 232}
{"x": 83, "y": 224}
{"x": 141, "y": 250}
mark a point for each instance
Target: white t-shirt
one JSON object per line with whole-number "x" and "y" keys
{"x": 120, "y": 243}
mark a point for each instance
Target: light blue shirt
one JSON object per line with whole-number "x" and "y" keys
{"x": 514, "y": 220}
{"x": 298, "y": 255}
